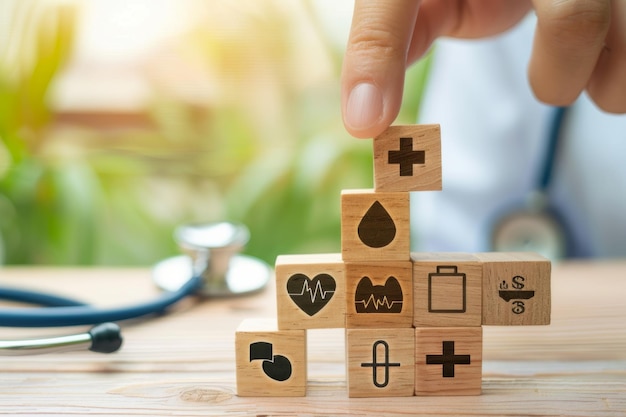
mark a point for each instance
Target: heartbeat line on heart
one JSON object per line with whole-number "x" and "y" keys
{"x": 314, "y": 292}
{"x": 378, "y": 303}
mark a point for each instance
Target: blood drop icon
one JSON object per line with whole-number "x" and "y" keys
{"x": 377, "y": 228}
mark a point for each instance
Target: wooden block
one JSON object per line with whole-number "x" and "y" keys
{"x": 374, "y": 226}
{"x": 379, "y": 294}
{"x": 310, "y": 291}
{"x": 380, "y": 362}
{"x": 516, "y": 288}
{"x": 408, "y": 158}
{"x": 448, "y": 360}
{"x": 448, "y": 290}
{"x": 270, "y": 362}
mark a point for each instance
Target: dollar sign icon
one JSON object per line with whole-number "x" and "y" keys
{"x": 518, "y": 282}
{"x": 518, "y": 307}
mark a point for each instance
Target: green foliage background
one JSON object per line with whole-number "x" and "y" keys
{"x": 87, "y": 197}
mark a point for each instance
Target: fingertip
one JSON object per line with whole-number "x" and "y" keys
{"x": 607, "y": 85}
{"x": 547, "y": 93}
{"x": 369, "y": 133}
{"x": 608, "y": 98}
{"x": 363, "y": 109}
{"x": 374, "y": 64}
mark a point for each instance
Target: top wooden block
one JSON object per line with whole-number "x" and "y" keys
{"x": 408, "y": 158}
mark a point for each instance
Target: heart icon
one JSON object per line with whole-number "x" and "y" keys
{"x": 311, "y": 295}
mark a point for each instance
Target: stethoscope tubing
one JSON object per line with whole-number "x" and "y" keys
{"x": 554, "y": 137}
{"x": 62, "y": 311}
{"x": 43, "y": 299}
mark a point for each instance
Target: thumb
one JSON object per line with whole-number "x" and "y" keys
{"x": 374, "y": 64}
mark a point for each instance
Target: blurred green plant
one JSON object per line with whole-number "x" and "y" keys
{"x": 266, "y": 147}
{"x": 36, "y": 43}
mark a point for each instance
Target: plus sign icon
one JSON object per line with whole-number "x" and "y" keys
{"x": 448, "y": 360}
{"x": 408, "y": 158}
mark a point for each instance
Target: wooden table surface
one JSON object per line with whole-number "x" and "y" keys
{"x": 183, "y": 363}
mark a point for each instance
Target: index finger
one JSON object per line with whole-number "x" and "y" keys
{"x": 569, "y": 38}
{"x": 374, "y": 64}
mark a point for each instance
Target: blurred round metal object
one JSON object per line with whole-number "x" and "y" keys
{"x": 212, "y": 251}
{"x": 534, "y": 227}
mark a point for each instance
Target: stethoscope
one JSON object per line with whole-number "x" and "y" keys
{"x": 210, "y": 266}
{"x": 535, "y": 224}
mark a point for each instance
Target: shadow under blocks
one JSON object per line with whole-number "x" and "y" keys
{"x": 413, "y": 321}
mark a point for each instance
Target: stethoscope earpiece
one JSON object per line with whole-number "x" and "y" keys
{"x": 102, "y": 338}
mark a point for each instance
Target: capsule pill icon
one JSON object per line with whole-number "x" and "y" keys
{"x": 380, "y": 359}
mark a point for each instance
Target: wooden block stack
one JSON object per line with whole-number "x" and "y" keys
{"x": 413, "y": 320}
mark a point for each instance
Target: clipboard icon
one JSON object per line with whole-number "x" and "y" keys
{"x": 447, "y": 290}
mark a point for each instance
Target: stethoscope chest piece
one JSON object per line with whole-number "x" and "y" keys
{"x": 533, "y": 227}
{"x": 212, "y": 252}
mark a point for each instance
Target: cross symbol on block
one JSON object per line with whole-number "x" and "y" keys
{"x": 448, "y": 359}
{"x": 406, "y": 157}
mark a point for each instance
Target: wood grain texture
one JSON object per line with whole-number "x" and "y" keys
{"x": 408, "y": 158}
{"x": 270, "y": 362}
{"x": 183, "y": 363}
{"x": 448, "y": 360}
{"x": 516, "y": 288}
{"x": 379, "y": 294}
{"x": 375, "y": 226}
{"x": 310, "y": 304}
{"x": 380, "y": 362}
{"x": 448, "y": 290}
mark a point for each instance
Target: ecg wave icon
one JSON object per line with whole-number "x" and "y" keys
{"x": 311, "y": 294}
{"x": 378, "y": 303}
{"x": 370, "y": 298}
{"x": 316, "y": 291}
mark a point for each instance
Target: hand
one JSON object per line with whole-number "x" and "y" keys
{"x": 579, "y": 45}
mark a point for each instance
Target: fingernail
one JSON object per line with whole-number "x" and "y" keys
{"x": 364, "y": 107}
